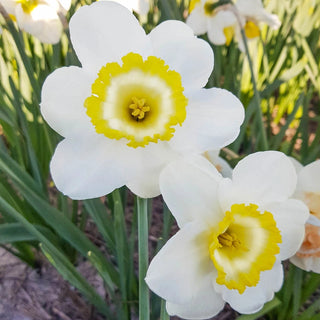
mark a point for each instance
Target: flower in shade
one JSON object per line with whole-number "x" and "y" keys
{"x": 308, "y": 190}
{"x": 39, "y": 17}
{"x": 136, "y": 104}
{"x": 221, "y": 165}
{"x": 140, "y": 6}
{"x": 223, "y": 21}
{"x": 233, "y": 234}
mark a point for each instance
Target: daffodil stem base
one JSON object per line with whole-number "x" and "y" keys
{"x": 142, "y": 208}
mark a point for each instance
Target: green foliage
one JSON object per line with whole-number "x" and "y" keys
{"x": 278, "y": 83}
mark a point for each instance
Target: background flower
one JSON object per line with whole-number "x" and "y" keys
{"x": 39, "y": 17}
{"x": 308, "y": 190}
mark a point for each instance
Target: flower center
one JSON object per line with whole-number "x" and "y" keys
{"x": 251, "y": 30}
{"x": 210, "y": 6}
{"x": 193, "y": 4}
{"x": 229, "y": 33}
{"x": 139, "y": 108}
{"x": 28, "y": 5}
{"x": 140, "y": 101}
{"x": 229, "y": 239}
{"x": 244, "y": 244}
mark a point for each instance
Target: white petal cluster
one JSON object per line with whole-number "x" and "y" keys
{"x": 308, "y": 190}
{"x": 182, "y": 272}
{"x": 39, "y": 17}
{"x": 87, "y": 164}
{"x": 226, "y": 20}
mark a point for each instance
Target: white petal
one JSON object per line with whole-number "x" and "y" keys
{"x": 253, "y": 298}
{"x": 62, "y": 101}
{"x": 104, "y": 32}
{"x": 222, "y": 165}
{"x": 309, "y": 178}
{"x": 65, "y": 4}
{"x": 260, "y": 178}
{"x": 189, "y": 188}
{"x": 306, "y": 263}
{"x": 90, "y": 168}
{"x": 197, "y": 21}
{"x": 298, "y": 166}
{"x": 43, "y": 22}
{"x": 129, "y": 4}
{"x": 217, "y": 24}
{"x": 290, "y": 216}
{"x": 254, "y": 9}
{"x": 142, "y": 7}
{"x": 154, "y": 157}
{"x": 176, "y": 272}
{"x": 213, "y": 121}
{"x": 192, "y": 58}
{"x": 9, "y": 5}
{"x": 206, "y": 304}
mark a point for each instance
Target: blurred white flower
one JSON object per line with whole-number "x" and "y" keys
{"x": 252, "y": 13}
{"x": 136, "y": 104}
{"x": 38, "y": 17}
{"x": 308, "y": 190}
{"x": 223, "y": 21}
{"x": 307, "y": 16}
{"x": 234, "y": 234}
{"x": 140, "y": 6}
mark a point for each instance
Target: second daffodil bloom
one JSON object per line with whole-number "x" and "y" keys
{"x": 136, "y": 104}
{"x": 222, "y": 20}
{"x": 233, "y": 234}
{"x": 308, "y": 190}
{"x": 40, "y": 18}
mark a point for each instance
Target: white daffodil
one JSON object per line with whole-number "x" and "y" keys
{"x": 307, "y": 17}
{"x": 233, "y": 234}
{"x": 209, "y": 17}
{"x": 252, "y": 12}
{"x": 136, "y": 104}
{"x": 308, "y": 190}
{"x": 38, "y": 17}
{"x": 140, "y": 6}
{"x": 221, "y": 165}
{"x": 223, "y": 21}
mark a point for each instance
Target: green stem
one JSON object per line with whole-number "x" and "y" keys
{"x": 144, "y": 309}
{"x": 163, "y": 313}
{"x": 257, "y": 98}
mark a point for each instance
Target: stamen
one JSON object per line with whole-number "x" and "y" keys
{"x": 139, "y": 108}
{"x": 28, "y": 5}
{"x": 227, "y": 239}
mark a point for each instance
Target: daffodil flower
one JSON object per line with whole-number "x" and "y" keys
{"x": 233, "y": 234}
{"x": 223, "y": 20}
{"x": 252, "y": 13}
{"x": 38, "y": 17}
{"x": 140, "y": 6}
{"x": 308, "y": 190}
{"x": 136, "y": 104}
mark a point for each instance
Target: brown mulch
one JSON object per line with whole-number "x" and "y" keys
{"x": 30, "y": 294}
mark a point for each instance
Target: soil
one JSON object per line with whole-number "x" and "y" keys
{"x": 42, "y": 294}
